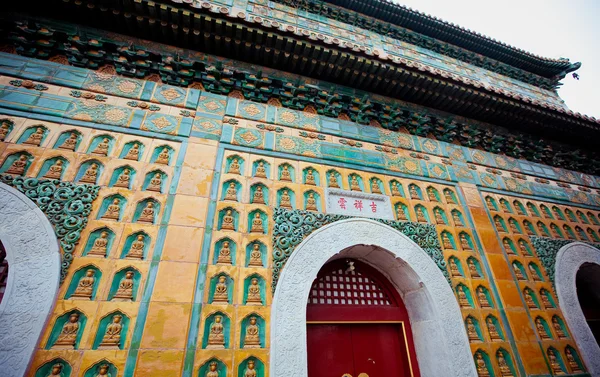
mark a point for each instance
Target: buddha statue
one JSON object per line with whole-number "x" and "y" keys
{"x": 473, "y": 269}
{"x": 519, "y": 210}
{"x": 513, "y": 226}
{"x": 18, "y": 166}
{"x": 255, "y": 256}
{"x": 354, "y": 185}
{"x": 439, "y": 219}
{"x": 113, "y": 211}
{"x": 413, "y": 193}
{"x": 462, "y": 298}
{"x": 523, "y": 247}
{"x": 260, "y": 170}
{"x": 449, "y": 197}
{"x": 224, "y": 254}
{"x": 91, "y": 174}
{"x": 504, "y": 206}
{"x": 395, "y": 189}
{"x": 545, "y": 299}
{"x": 311, "y": 202}
{"x": 507, "y": 246}
{"x": 285, "y": 201}
{"x": 310, "y": 178}
{"x": 125, "y": 290}
{"x": 103, "y": 371}
{"x": 285, "y": 174}
{"x": 136, "y": 250}
{"x": 124, "y": 178}
{"x": 333, "y": 182}
{"x": 163, "y": 157}
{"x": 4, "y": 132}
{"x": 112, "y": 335}
{"x": 234, "y": 167}
{"x": 250, "y": 371}
{"x": 542, "y": 230}
{"x": 529, "y": 231}
{"x": 529, "y": 300}
{"x": 70, "y": 143}
{"x": 133, "y": 153}
{"x": 456, "y": 219}
{"x": 68, "y": 334}
{"x": 85, "y": 286}
{"x": 102, "y": 148}
{"x": 400, "y": 214}
{"x": 499, "y": 226}
{"x": 221, "y": 296}
{"x": 431, "y": 195}
{"x": 55, "y": 171}
{"x": 253, "y": 297}
{"x": 482, "y": 298}
{"x": 56, "y": 370}
{"x": 147, "y": 215}
{"x": 231, "y": 192}
{"x": 554, "y": 364}
{"x": 212, "y": 370}
{"x": 471, "y": 331}
{"x": 557, "y": 213}
{"x": 454, "y": 268}
{"x": 531, "y": 209}
{"x": 558, "y": 329}
{"x": 216, "y": 337}
{"x": 257, "y": 224}
{"x": 503, "y": 365}
{"x": 541, "y": 329}
{"x": 573, "y": 364}
{"x": 446, "y": 242}
{"x": 36, "y": 137}
{"x": 518, "y": 272}
{"x": 482, "y": 370}
{"x": 534, "y": 273}
{"x": 490, "y": 204}
{"x": 258, "y": 197}
{"x": 555, "y": 233}
{"x": 464, "y": 242}
{"x": 568, "y": 233}
{"x": 375, "y": 189}
{"x": 252, "y": 337}
{"x": 420, "y": 215}
{"x": 99, "y": 246}
{"x": 155, "y": 183}
{"x": 227, "y": 223}
{"x": 494, "y": 335}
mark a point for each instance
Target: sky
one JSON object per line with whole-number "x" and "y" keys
{"x": 550, "y": 28}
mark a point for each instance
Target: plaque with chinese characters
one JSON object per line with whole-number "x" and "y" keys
{"x": 353, "y": 203}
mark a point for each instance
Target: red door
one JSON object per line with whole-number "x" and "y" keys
{"x": 357, "y": 325}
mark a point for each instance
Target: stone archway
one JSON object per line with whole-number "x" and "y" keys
{"x": 569, "y": 260}
{"x": 33, "y": 257}
{"x": 441, "y": 342}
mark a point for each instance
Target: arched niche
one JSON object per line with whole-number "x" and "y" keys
{"x": 218, "y": 279}
{"x": 132, "y": 150}
{"x": 457, "y": 218}
{"x": 111, "y": 340}
{"x": 448, "y": 241}
{"x": 92, "y": 274}
{"x": 225, "y": 252}
{"x": 55, "y": 365}
{"x": 136, "y": 246}
{"x": 6, "y": 127}
{"x": 535, "y": 272}
{"x": 355, "y": 182}
{"x": 450, "y": 196}
{"x": 433, "y": 194}
{"x": 415, "y": 192}
{"x": 68, "y": 140}
{"x": 582, "y": 217}
{"x": 482, "y": 291}
{"x": 514, "y": 226}
{"x": 34, "y": 135}
{"x": 422, "y": 214}
{"x": 504, "y": 359}
{"x": 162, "y": 154}
{"x": 377, "y": 186}
{"x": 286, "y": 172}
{"x": 593, "y": 218}
{"x": 440, "y": 216}
{"x": 231, "y": 190}
{"x": 101, "y": 145}
{"x": 556, "y": 231}
{"x": 546, "y": 211}
{"x": 123, "y": 176}
{"x": 222, "y": 319}
{"x": 396, "y": 188}
{"x": 456, "y": 268}
{"x": 312, "y": 201}
{"x": 593, "y": 235}
{"x": 509, "y": 246}
{"x": 17, "y": 163}
{"x": 106, "y": 212}
{"x": 90, "y": 172}
{"x": 261, "y": 169}
{"x": 569, "y": 231}
{"x": 571, "y": 215}
{"x": 505, "y": 205}
{"x": 74, "y": 317}
{"x": 32, "y": 252}
{"x": 484, "y": 364}
{"x": 529, "y": 229}
{"x": 286, "y": 198}
{"x": 254, "y": 261}
{"x": 251, "y": 363}
{"x": 493, "y": 325}
{"x": 533, "y": 210}
{"x": 260, "y": 322}
{"x": 558, "y": 213}
{"x": 519, "y": 207}
{"x": 581, "y": 233}
{"x": 259, "y": 194}
{"x": 229, "y": 219}
{"x": 147, "y": 211}
{"x": 491, "y": 203}
{"x": 334, "y": 179}
{"x": 156, "y": 181}
{"x": 521, "y": 273}
{"x": 402, "y": 212}
{"x": 474, "y": 267}
{"x": 543, "y": 329}
{"x": 254, "y": 281}
{"x": 125, "y": 285}
{"x": 543, "y": 229}
{"x": 54, "y": 168}
{"x": 101, "y": 367}
{"x": 256, "y": 226}
{"x": 428, "y": 297}
{"x": 477, "y": 336}
{"x": 500, "y": 224}
{"x": 213, "y": 364}
{"x": 234, "y": 164}
{"x": 466, "y": 242}
{"x": 525, "y": 248}
{"x": 553, "y": 353}
{"x": 311, "y": 176}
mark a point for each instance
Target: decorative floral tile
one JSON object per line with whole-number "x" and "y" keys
{"x": 580, "y": 197}
{"x": 405, "y": 165}
{"x": 170, "y": 95}
{"x": 298, "y": 119}
{"x": 103, "y": 83}
{"x": 395, "y": 139}
{"x": 248, "y": 137}
{"x": 293, "y": 144}
{"x": 430, "y": 146}
{"x": 212, "y": 104}
{"x": 505, "y": 162}
{"x": 455, "y": 152}
{"x": 517, "y": 186}
{"x": 464, "y": 174}
{"x": 480, "y": 157}
{"x": 251, "y": 110}
{"x": 161, "y": 123}
{"x": 92, "y": 111}
{"x": 438, "y": 170}
{"x": 489, "y": 180}
{"x": 207, "y": 125}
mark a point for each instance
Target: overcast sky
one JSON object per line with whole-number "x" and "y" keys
{"x": 550, "y": 28}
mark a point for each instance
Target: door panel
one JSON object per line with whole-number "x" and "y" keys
{"x": 379, "y": 350}
{"x": 330, "y": 352}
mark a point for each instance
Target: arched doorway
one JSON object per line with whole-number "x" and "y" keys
{"x": 33, "y": 258}
{"x": 588, "y": 293}
{"x": 357, "y": 324}
{"x": 577, "y": 261}
{"x": 440, "y": 340}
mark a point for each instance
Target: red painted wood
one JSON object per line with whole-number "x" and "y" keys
{"x": 330, "y": 352}
{"x": 375, "y": 349}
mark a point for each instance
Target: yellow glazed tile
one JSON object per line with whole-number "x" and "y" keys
{"x": 182, "y": 244}
{"x": 166, "y": 326}
{"x": 175, "y": 282}
{"x": 189, "y": 211}
{"x": 159, "y": 363}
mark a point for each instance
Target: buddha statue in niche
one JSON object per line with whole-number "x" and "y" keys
{"x": 494, "y": 335}
{"x": 472, "y": 331}
{"x": 35, "y": 138}
{"x": 4, "y": 132}
{"x": 333, "y": 182}
{"x": 212, "y": 370}
{"x": 124, "y": 178}
{"x": 103, "y": 371}
{"x": 56, "y": 370}
{"x": 414, "y": 194}
{"x": 310, "y": 178}
{"x": 55, "y": 171}
{"x": 231, "y": 192}
{"x": 513, "y": 227}
{"x": 285, "y": 200}
{"x": 133, "y": 153}
{"x": 507, "y": 247}
{"x": 534, "y": 274}
{"x": 257, "y": 224}
{"x": 462, "y": 298}
{"x": 68, "y": 335}
{"x": 473, "y": 269}
{"x": 456, "y": 219}
{"x": 518, "y": 272}
{"x": 482, "y": 370}
{"x": 125, "y": 290}
{"x": 252, "y": 336}
{"x": 545, "y": 299}
{"x": 112, "y": 335}
{"x": 91, "y": 174}
{"x": 529, "y": 300}
{"x": 250, "y": 371}
{"x": 431, "y": 195}
{"x": 354, "y": 185}
{"x": 18, "y": 166}
{"x": 400, "y": 214}
{"x": 454, "y": 268}
{"x": 558, "y": 328}
{"x": 503, "y": 365}
{"x": 523, "y": 247}
{"x": 260, "y": 170}
{"x": 420, "y": 215}
{"x": 227, "y": 223}
{"x": 490, "y": 204}
{"x": 575, "y": 368}
{"x": 85, "y": 286}
{"x": 285, "y": 174}
{"x": 439, "y": 219}
{"x": 554, "y": 364}
{"x": 449, "y": 197}
{"x": 136, "y": 250}
{"x": 234, "y": 167}
{"x": 504, "y": 206}
{"x": 258, "y": 196}
{"x": 99, "y": 247}
{"x": 395, "y": 189}
{"x": 155, "y": 183}
{"x": 311, "y": 202}
{"x": 446, "y": 242}
{"x": 541, "y": 329}
{"x": 482, "y": 298}
{"x": 224, "y": 254}
{"x": 102, "y": 148}
{"x": 216, "y": 337}
{"x": 70, "y": 143}
{"x": 498, "y": 224}
{"x": 255, "y": 256}
{"x": 375, "y": 189}
{"x": 221, "y": 296}
{"x": 147, "y": 215}
{"x": 113, "y": 211}
{"x": 163, "y": 157}
{"x": 464, "y": 242}
{"x": 253, "y": 297}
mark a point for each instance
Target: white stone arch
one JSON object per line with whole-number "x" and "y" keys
{"x": 569, "y": 260}
{"x": 440, "y": 338}
{"x": 33, "y": 259}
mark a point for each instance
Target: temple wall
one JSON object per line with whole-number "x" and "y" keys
{"x": 172, "y": 309}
